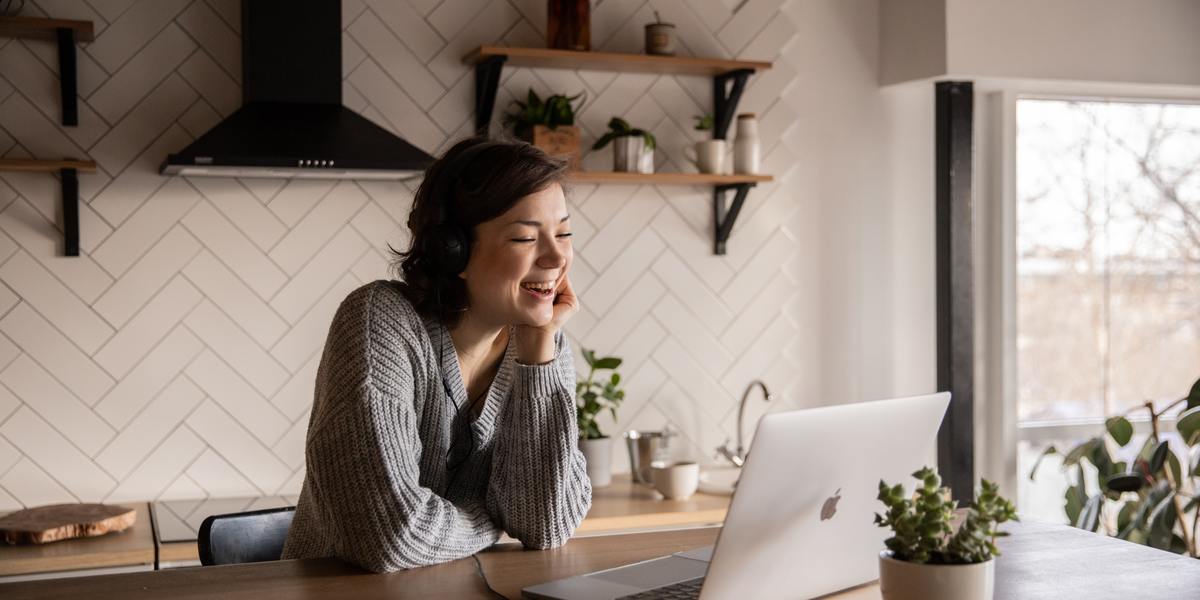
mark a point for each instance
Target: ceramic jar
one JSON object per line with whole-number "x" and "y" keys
{"x": 746, "y": 151}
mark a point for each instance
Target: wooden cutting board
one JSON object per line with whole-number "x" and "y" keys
{"x": 56, "y": 522}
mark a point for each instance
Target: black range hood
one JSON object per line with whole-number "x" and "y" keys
{"x": 292, "y": 122}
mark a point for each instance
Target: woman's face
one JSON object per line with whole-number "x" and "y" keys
{"x": 519, "y": 259}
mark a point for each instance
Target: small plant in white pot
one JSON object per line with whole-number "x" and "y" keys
{"x": 592, "y": 397}
{"x": 926, "y": 559}
{"x": 633, "y": 148}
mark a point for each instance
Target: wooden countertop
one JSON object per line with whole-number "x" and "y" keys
{"x": 620, "y": 507}
{"x": 1039, "y": 561}
{"x": 132, "y": 547}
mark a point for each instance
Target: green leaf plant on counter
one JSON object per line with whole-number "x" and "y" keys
{"x": 921, "y": 524}
{"x": 1150, "y": 499}
{"x": 593, "y": 397}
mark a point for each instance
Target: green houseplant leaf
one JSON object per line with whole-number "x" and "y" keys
{"x": 1120, "y": 429}
{"x": 1188, "y": 425}
{"x": 594, "y": 396}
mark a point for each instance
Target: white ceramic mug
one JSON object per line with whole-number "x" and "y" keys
{"x": 709, "y": 156}
{"x": 676, "y": 481}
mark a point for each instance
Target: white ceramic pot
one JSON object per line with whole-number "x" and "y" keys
{"x": 598, "y": 455}
{"x": 900, "y": 580}
{"x": 629, "y": 155}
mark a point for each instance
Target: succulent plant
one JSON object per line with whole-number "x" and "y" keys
{"x": 921, "y": 523}
{"x": 618, "y": 127}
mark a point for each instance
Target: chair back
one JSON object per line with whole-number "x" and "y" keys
{"x": 253, "y": 536}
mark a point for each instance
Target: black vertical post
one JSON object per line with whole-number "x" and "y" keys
{"x": 66, "y": 76}
{"x": 70, "y": 209}
{"x": 955, "y": 316}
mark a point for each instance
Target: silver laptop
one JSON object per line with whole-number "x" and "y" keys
{"x": 800, "y": 524}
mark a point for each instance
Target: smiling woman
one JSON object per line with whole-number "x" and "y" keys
{"x": 444, "y": 410}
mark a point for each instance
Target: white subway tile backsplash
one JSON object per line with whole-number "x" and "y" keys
{"x": 237, "y": 446}
{"x": 40, "y": 239}
{"x": 145, "y": 226}
{"x": 233, "y": 393}
{"x": 126, "y": 36}
{"x": 317, "y": 227}
{"x": 126, "y": 87}
{"x": 234, "y": 249}
{"x": 396, "y": 60}
{"x": 38, "y": 390}
{"x": 141, "y": 333}
{"x": 312, "y": 281}
{"x": 37, "y": 286}
{"x": 224, "y": 289}
{"x": 147, "y": 276}
{"x": 31, "y": 486}
{"x": 139, "y": 438}
{"x": 143, "y": 124}
{"x": 42, "y": 342}
{"x": 224, "y": 337}
{"x": 242, "y": 209}
{"x": 149, "y": 377}
{"x": 216, "y": 476}
{"x": 164, "y": 464}
{"x": 218, "y": 39}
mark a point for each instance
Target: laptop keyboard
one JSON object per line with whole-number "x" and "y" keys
{"x": 684, "y": 590}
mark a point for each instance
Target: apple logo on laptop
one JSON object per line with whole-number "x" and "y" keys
{"x": 830, "y": 506}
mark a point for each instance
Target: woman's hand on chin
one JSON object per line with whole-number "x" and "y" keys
{"x": 535, "y": 344}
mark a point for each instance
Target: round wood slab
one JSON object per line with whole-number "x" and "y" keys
{"x": 56, "y": 522}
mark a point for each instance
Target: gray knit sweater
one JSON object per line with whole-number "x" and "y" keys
{"x": 382, "y": 488}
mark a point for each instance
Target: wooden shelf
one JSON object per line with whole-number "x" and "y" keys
{"x": 612, "y": 61}
{"x": 44, "y": 29}
{"x": 24, "y": 164}
{"x": 665, "y": 178}
{"x": 728, "y": 81}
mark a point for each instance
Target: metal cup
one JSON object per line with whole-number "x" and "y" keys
{"x": 646, "y": 450}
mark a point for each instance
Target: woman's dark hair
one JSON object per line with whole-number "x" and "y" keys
{"x": 493, "y": 179}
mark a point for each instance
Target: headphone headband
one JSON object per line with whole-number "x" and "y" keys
{"x": 447, "y": 244}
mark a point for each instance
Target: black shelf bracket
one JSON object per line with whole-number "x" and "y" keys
{"x": 725, "y": 99}
{"x": 487, "y": 81}
{"x": 724, "y": 217}
{"x": 67, "y": 77}
{"x": 70, "y": 211}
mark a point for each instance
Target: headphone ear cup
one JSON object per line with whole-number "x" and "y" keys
{"x": 448, "y": 249}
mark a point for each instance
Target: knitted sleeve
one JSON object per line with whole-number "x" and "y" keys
{"x": 539, "y": 490}
{"x": 363, "y": 453}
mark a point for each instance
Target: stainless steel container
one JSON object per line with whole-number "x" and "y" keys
{"x": 646, "y": 449}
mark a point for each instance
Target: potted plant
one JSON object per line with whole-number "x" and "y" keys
{"x": 709, "y": 154}
{"x": 633, "y": 150}
{"x": 549, "y": 124}
{"x": 593, "y": 396}
{"x": 1150, "y": 497}
{"x": 926, "y": 559}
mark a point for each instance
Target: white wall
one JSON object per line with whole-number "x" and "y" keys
{"x": 1147, "y": 41}
{"x": 1117, "y": 41}
{"x": 175, "y": 357}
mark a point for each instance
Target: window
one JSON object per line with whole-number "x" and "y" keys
{"x": 1108, "y": 270}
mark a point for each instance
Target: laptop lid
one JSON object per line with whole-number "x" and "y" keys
{"x": 801, "y": 521}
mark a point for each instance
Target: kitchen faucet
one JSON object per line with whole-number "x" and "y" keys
{"x": 738, "y": 457}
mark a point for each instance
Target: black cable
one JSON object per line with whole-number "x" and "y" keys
{"x": 483, "y": 576}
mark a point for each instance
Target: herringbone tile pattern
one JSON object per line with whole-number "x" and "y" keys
{"x": 176, "y": 357}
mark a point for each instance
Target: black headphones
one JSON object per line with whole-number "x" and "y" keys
{"x": 447, "y": 245}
